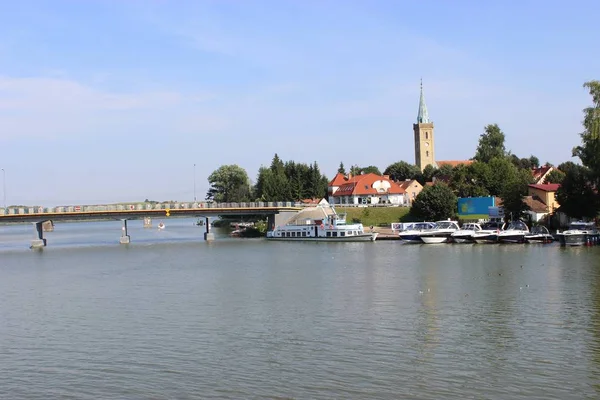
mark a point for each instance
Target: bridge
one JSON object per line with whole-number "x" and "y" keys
{"x": 276, "y": 212}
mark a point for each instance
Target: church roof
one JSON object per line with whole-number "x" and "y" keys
{"x": 423, "y": 116}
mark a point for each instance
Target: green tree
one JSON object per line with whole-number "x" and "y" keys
{"x": 465, "y": 183}
{"x": 371, "y": 169}
{"x": 401, "y": 170}
{"x": 534, "y": 161}
{"x": 589, "y": 151}
{"x": 355, "y": 170}
{"x": 512, "y": 199}
{"x": 555, "y": 176}
{"x": 341, "y": 169}
{"x": 428, "y": 173}
{"x": 576, "y": 194}
{"x": 435, "y": 203}
{"x": 229, "y": 184}
{"x": 491, "y": 144}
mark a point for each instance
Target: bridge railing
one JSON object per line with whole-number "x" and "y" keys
{"x": 26, "y": 210}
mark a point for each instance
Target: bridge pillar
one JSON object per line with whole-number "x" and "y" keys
{"x": 208, "y": 235}
{"x": 40, "y": 242}
{"x": 125, "y": 239}
{"x": 147, "y": 222}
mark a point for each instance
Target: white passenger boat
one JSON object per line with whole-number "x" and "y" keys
{"x": 321, "y": 223}
{"x": 465, "y": 234}
{"x": 488, "y": 233}
{"x": 412, "y": 232}
{"x": 515, "y": 233}
{"x": 441, "y": 233}
{"x": 539, "y": 234}
{"x": 580, "y": 233}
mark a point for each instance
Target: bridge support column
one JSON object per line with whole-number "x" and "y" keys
{"x": 147, "y": 222}
{"x": 125, "y": 239}
{"x": 40, "y": 242}
{"x": 208, "y": 235}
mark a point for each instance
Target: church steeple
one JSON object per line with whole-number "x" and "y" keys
{"x": 424, "y": 140}
{"x": 423, "y": 117}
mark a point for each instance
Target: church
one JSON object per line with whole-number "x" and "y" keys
{"x": 425, "y": 140}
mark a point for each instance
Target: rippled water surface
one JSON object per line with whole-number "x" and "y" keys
{"x": 171, "y": 317}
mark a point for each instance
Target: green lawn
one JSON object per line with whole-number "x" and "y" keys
{"x": 376, "y": 216}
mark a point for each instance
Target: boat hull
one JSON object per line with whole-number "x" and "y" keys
{"x": 512, "y": 239}
{"x": 539, "y": 239}
{"x": 434, "y": 239}
{"x": 412, "y": 238}
{"x": 577, "y": 239}
{"x": 462, "y": 238}
{"x": 370, "y": 237}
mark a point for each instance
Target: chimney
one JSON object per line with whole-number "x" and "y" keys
{"x": 386, "y": 176}
{"x": 349, "y": 176}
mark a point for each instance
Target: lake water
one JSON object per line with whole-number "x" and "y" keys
{"x": 172, "y": 317}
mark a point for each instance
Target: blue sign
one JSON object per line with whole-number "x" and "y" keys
{"x": 475, "y": 206}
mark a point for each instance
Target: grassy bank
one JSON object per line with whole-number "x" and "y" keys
{"x": 376, "y": 216}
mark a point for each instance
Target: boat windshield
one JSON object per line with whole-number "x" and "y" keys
{"x": 540, "y": 230}
{"x": 581, "y": 226}
{"x": 445, "y": 224}
{"x": 518, "y": 226}
{"x": 471, "y": 227}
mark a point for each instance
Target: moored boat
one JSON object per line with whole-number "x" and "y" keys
{"x": 488, "y": 233}
{"x": 515, "y": 233}
{"x": 321, "y": 223}
{"x": 441, "y": 233}
{"x": 465, "y": 234}
{"x": 161, "y": 225}
{"x": 539, "y": 234}
{"x": 412, "y": 233}
{"x": 580, "y": 233}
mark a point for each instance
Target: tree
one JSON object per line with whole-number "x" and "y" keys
{"x": 589, "y": 151}
{"x": 341, "y": 169}
{"x": 465, "y": 182}
{"x": 512, "y": 199}
{"x": 229, "y": 184}
{"x": 534, "y": 161}
{"x": 555, "y": 176}
{"x": 355, "y": 170}
{"x": 491, "y": 144}
{"x": 428, "y": 173}
{"x": 435, "y": 203}
{"x": 576, "y": 195}
{"x": 371, "y": 169}
{"x": 401, "y": 170}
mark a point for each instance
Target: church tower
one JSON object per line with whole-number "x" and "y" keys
{"x": 424, "y": 139}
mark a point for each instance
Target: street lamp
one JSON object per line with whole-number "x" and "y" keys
{"x": 194, "y": 183}
{"x": 4, "y": 187}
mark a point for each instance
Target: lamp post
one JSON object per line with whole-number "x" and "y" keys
{"x": 194, "y": 183}
{"x": 4, "y": 187}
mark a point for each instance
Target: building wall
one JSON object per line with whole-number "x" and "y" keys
{"x": 549, "y": 198}
{"x": 424, "y": 145}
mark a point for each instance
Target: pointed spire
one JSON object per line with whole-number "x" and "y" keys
{"x": 423, "y": 117}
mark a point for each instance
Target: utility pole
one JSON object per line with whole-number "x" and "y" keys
{"x": 4, "y": 187}
{"x": 194, "y": 183}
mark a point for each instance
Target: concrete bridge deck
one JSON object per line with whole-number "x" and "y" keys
{"x": 124, "y": 212}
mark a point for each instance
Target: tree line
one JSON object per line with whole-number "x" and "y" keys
{"x": 281, "y": 181}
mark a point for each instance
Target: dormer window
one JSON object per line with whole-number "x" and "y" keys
{"x": 366, "y": 186}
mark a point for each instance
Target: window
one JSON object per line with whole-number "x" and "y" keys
{"x": 427, "y": 153}
{"x": 328, "y": 234}
{"x": 342, "y": 233}
{"x": 303, "y": 234}
{"x": 334, "y": 234}
{"x": 426, "y": 135}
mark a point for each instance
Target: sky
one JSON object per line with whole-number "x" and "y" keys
{"x": 107, "y": 101}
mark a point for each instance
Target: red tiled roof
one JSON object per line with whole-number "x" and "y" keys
{"x": 406, "y": 184}
{"x": 535, "y": 204}
{"x": 546, "y": 187}
{"x": 363, "y": 185}
{"x": 453, "y": 163}
{"x": 538, "y": 173}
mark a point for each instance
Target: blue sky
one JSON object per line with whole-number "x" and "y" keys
{"x": 105, "y": 101}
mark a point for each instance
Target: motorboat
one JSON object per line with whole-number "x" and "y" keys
{"x": 321, "y": 223}
{"x": 441, "y": 233}
{"x": 161, "y": 225}
{"x": 465, "y": 234}
{"x": 515, "y": 233}
{"x": 412, "y": 233}
{"x": 580, "y": 233}
{"x": 539, "y": 234}
{"x": 488, "y": 233}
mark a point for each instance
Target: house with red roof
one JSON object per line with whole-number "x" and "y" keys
{"x": 541, "y": 199}
{"x": 541, "y": 173}
{"x": 365, "y": 189}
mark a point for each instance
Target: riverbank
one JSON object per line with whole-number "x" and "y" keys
{"x": 373, "y": 216}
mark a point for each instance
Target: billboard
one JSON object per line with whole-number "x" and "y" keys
{"x": 475, "y": 207}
